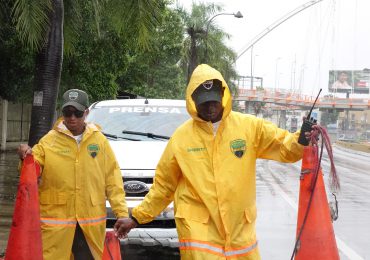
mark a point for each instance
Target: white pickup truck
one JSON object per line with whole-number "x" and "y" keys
{"x": 138, "y": 131}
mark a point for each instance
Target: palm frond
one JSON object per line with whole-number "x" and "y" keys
{"x": 73, "y": 23}
{"x": 138, "y": 17}
{"x": 31, "y": 20}
{"x": 81, "y": 16}
{"x": 98, "y": 6}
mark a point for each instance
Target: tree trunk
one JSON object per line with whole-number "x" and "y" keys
{"x": 47, "y": 76}
{"x": 193, "y": 53}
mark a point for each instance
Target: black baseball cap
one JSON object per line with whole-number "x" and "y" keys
{"x": 209, "y": 90}
{"x": 76, "y": 98}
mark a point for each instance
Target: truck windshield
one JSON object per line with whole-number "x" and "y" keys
{"x": 157, "y": 120}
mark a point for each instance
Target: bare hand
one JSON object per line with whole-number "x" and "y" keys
{"x": 23, "y": 150}
{"x": 123, "y": 226}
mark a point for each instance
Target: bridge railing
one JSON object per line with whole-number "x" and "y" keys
{"x": 284, "y": 97}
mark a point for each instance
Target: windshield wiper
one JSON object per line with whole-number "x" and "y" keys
{"x": 149, "y": 135}
{"x": 119, "y": 137}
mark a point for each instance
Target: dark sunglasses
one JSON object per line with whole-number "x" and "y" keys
{"x": 69, "y": 113}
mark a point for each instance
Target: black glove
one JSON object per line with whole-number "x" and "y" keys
{"x": 306, "y": 127}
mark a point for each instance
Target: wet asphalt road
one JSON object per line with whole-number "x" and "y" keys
{"x": 277, "y": 196}
{"x": 277, "y": 202}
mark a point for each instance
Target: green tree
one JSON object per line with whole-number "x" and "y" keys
{"x": 95, "y": 66}
{"x": 16, "y": 62}
{"x": 154, "y": 73}
{"x": 95, "y": 59}
{"x": 40, "y": 24}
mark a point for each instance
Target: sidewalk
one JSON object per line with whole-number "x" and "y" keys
{"x": 362, "y": 147}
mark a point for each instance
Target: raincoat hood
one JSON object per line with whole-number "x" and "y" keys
{"x": 61, "y": 127}
{"x": 202, "y": 73}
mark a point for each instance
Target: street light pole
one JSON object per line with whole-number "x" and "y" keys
{"x": 236, "y": 15}
{"x": 253, "y": 64}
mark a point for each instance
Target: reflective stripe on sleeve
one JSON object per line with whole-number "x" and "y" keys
{"x": 216, "y": 249}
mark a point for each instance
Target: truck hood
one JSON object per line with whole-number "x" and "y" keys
{"x": 137, "y": 155}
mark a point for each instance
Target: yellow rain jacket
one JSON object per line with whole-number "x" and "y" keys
{"x": 75, "y": 182}
{"x": 212, "y": 178}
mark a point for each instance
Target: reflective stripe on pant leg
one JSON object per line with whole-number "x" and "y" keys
{"x": 215, "y": 249}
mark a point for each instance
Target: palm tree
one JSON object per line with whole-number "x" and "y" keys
{"x": 40, "y": 24}
{"x": 219, "y": 55}
{"x": 196, "y": 32}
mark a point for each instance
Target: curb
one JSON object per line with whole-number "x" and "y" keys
{"x": 354, "y": 146}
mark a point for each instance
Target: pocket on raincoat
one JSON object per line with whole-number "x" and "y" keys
{"x": 96, "y": 199}
{"x": 53, "y": 198}
{"x": 192, "y": 212}
{"x": 192, "y": 221}
{"x": 250, "y": 214}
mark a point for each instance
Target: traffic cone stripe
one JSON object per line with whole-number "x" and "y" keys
{"x": 305, "y": 171}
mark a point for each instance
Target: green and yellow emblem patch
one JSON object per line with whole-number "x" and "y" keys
{"x": 93, "y": 150}
{"x": 238, "y": 147}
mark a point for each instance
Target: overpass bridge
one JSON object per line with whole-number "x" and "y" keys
{"x": 284, "y": 98}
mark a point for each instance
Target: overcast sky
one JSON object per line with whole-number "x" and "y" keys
{"x": 330, "y": 35}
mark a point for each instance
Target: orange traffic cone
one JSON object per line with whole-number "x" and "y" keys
{"x": 25, "y": 234}
{"x": 315, "y": 234}
{"x": 112, "y": 249}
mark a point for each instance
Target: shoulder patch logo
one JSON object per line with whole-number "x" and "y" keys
{"x": 238, "y": 147}
{"x": 93, "y": 150}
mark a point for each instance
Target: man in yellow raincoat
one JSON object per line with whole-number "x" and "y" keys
{"x": 209, "y": 170}
{"x": 79, "y": 171}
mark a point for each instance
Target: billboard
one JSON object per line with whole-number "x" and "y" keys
{"x": 349, "y": 81}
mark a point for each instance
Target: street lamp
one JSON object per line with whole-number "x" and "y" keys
{"x": 236, "y": 15}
